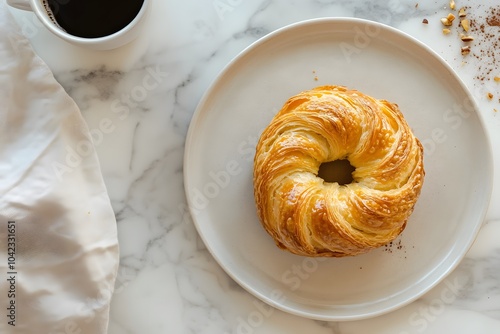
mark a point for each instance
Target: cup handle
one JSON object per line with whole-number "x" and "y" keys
{"x": 20, "y": 4}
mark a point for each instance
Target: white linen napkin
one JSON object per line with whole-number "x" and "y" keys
{"x": 58, "y": 237}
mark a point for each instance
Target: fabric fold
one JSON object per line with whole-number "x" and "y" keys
{"x": 58, "y": 237}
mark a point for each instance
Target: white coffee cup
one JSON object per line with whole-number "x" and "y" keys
{"x": 115, "y": 40}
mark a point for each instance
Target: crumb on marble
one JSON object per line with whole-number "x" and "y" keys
{"x": 461, "y": 12}
{"x": 465, "y": 23}
{"x": 446, "y": 22}
{"x": 466, "y": 38}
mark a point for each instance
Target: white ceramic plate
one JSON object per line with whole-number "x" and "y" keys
{"x": 379, "y": 61}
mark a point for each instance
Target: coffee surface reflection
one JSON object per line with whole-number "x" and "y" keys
{"x": 94, "y": 18}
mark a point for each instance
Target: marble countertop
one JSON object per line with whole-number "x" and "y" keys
{"x": 168, "y": 282}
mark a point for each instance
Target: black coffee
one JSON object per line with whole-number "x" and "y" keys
{"x": 94, "y": 18}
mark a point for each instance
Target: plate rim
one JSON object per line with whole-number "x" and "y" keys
{"x": 489, "y": 165}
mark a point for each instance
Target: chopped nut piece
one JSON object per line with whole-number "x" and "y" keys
{"x": 446, "y": 31}
{"x": 450, "y": 17}
{"x": 497, "y": 79}
{"x": 467, "y": 38}
{"x": 465, "y": 24}
{"x": 452, "y": 4}
{"x": 490, "y": 96}
{"x": 461, "y": 12}
{"x": 445, "y": 22}
{"x": 425, "y": 21}
{"x": 465, "y": 50}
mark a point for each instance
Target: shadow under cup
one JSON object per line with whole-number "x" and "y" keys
{"x": 96, "y": 24}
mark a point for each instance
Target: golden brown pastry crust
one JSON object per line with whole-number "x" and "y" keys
{"x": 308, "y": 216}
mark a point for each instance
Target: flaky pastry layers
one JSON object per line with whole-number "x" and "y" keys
{"x": 308, "y": 216}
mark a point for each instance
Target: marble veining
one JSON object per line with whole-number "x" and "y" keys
{"x": 147, "y": 92}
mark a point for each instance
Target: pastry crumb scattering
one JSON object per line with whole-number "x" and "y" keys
{"x": 484, "y": 27}
{"x": 425, "y": 21}
{"x": 446, "y": 31}
{"x": 465, "y": 50}
{"x": 490, "y": 96}
{"x": 394, "y": 245}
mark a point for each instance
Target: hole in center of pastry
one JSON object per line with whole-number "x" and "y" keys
{"x": 339, "y": 171}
